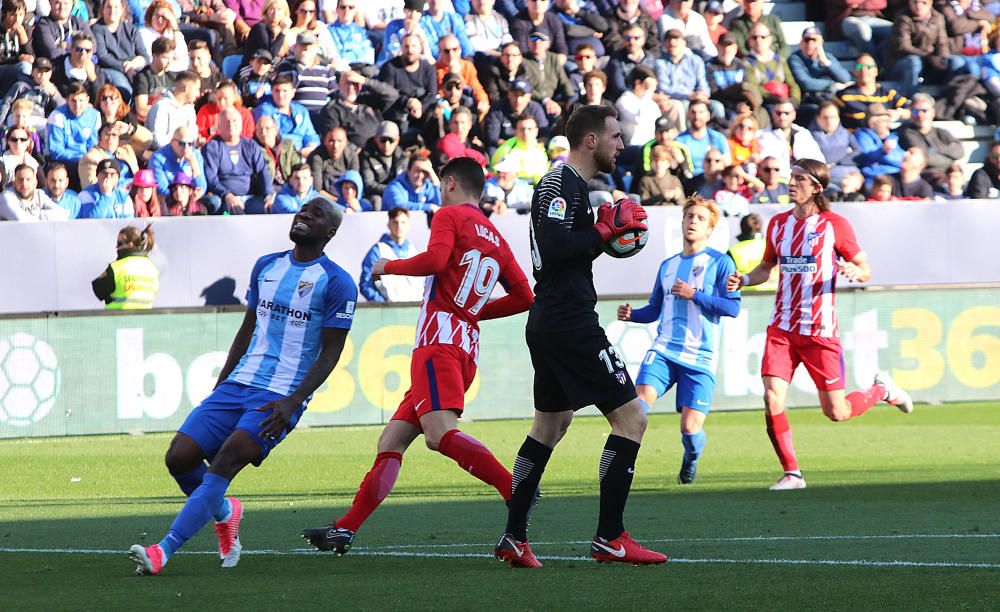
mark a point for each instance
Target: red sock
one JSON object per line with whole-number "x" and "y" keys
{"x": 374, "y": 488}
{"x": 861, "y": 401}
{"x": 780, "y": 433}
{"x": 477, "y": 460}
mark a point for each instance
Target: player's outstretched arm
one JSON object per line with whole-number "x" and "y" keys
{"x": 651, "y": 311}
{"x": 758, "y": 275}
{"x": 439, "y": 248}
{"x": 240, "y": 343}
{"x": 334, "y": 339}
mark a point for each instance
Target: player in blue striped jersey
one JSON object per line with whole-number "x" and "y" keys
{"x": 300, "y": 307}
{"x": 689, "y": 298}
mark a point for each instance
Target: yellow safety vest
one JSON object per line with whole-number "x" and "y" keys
{"x": 136, "y": 283}
{"x": 747, "y": 254}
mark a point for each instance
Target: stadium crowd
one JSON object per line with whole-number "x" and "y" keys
{"x": 150, "y": 108}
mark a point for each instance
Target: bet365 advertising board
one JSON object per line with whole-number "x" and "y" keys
{"x": 93, "y": 374}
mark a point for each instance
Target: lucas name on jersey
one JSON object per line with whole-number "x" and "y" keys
{"x": 487, "y": 234}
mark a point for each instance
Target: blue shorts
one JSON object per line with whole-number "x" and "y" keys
{"x": 694, "y": 388}
{"x": 233, "y": 406}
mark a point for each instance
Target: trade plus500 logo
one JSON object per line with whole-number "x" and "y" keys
{"x": 29, "y": 379}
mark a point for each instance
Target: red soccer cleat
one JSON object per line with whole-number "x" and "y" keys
{"x": 229, "y": 535}
{"x": 148, "y": 560}
{"x": 624, "y": 549}
{"x": 514, "y": 553}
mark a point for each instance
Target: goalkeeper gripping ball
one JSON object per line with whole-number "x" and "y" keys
{"x": 627, "y": 244}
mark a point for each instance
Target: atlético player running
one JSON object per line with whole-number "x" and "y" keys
{"x": 466, "y": 257}
{"x": 689, "y": 298}
{"x": 300, "y": 309}
{"x": 575, "y": 365}
{"x": 811, "y": 245}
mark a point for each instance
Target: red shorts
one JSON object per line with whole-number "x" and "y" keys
{"x": 440, "y": 374}
{"x": 823, "y": 358}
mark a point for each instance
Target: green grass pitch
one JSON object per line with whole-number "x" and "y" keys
{"x": 902, "y": 513}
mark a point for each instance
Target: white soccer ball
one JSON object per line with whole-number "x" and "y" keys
{"x": 29, "y": 379}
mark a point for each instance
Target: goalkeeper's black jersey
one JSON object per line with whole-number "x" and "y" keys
{"x": 564, "y": 244}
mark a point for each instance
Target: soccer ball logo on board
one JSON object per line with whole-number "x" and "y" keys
{"x": 29, "y": 379}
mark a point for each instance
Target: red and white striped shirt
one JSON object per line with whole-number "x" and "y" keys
{"x": 467, "y": 257}
{"x": 806, "y": 253}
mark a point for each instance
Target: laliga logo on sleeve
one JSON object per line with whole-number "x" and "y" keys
{"x": 29, "y": 379}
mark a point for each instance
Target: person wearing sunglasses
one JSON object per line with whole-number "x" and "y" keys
{"x": 78, "y": 66}
{"x": 382, "y": 159}
{"x": 855, "y": 99}
{"x": 624, "y": 60}
{"x": 818, "y": 75}
{"x": 753, "y": 16}
{"x": 180, "y": 155}
{"x": 628, "y": 14}
{"x": 350, "y": 39}
{"x": 786, "y": 140}
{"x": 769, "y": 72}
{"x": 941, "y": 147}
{"x": 17, "y": 150}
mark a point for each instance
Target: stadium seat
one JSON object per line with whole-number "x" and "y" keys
{"x": 230, "y": 64}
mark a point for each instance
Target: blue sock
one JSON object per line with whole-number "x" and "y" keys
{"x": 198, "y": 510}
{"x": 693, "y": 443}
{"x": 222, "y": 513}
{"x": 192, "y": 480}
{"x": 645, "y": 407}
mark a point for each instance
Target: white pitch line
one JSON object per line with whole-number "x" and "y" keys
{"x": 441, "y": 555}
{"x": 913, "y": 536}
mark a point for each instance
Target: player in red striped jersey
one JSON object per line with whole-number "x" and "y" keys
{"x": 811, "y": 246}
{"x": 466, "y": 257}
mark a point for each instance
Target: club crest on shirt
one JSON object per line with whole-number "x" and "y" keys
{"x": 813, "y": 238}
{"x": 305, "y": 288}
{"x": 697, "y": 270}
{"x": 557, "y": 209}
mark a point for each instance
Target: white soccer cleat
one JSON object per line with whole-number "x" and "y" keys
{"x": 895, "y": 394}
{"x": 789, "y": 482}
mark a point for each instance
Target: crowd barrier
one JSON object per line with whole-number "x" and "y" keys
{"x": 48, "y": 267}
{"x": 144, "y": 371}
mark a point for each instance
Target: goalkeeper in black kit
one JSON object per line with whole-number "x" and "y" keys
{"x": 575, "y": 365}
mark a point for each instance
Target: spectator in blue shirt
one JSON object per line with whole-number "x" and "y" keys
{"x": 416, "y": 188}
{"x": 57, "y": 186}
{"x": 350, "y": 39}
{"x": 103, "y": 199}
{"x": 237, "y": 174}
{"x": 681, "y": 76}
{"x": 437, "y": 23}
{"x": 293, "y": 119}
{"x": 699, "y": 138}
{"x": 180, "y": 155}
{"x": 72, "y": 130}
{"x": 297, "y": 191}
